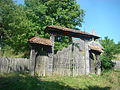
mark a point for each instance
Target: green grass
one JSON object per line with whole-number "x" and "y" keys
{"x": 107, "y": 81}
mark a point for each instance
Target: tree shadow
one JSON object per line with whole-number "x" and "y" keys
{"x": 98, "y": 88}
{"x": 23, "y": 82}
{"x": 30, "y": 83}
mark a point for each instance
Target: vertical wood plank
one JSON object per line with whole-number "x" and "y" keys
{"x": 98, "y": 65}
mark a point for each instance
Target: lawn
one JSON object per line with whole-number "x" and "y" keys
{"x": 107, "y": 81}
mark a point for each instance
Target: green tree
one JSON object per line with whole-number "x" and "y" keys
{"x": 65, "y": 13}
{"x": 118, "y": 48}
{"x": 6, "y": 8}
{"x": 18, "y": 23}
{"x": 16, "y": 28}
{"x": 109, "y": 52}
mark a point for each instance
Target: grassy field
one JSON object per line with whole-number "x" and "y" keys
{"x": 107, "y": 81}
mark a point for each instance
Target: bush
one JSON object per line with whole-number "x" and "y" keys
{"x": 106, "y": 63}
{"x": 109, "y": 52}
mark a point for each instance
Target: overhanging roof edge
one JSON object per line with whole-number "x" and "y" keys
{"x": 53, "y": 28}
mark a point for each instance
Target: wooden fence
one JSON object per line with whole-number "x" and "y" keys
{"x": 14, "y": 65}
{"x": 117, "y": 64}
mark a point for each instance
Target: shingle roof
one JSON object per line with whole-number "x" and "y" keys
{"x": 96, "y": 46}
{"x": 39, "y": 40}
{"x": 69, "y": 32}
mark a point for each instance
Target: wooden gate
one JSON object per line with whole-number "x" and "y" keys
{"x": 70, "y": 61}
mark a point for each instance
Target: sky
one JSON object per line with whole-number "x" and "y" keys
{"x": 103, "y": 16}
{"x": 19, "y": 1}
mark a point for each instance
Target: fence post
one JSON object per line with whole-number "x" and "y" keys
{"x": 32, "y": 61}
{"x": 87, "y": 61}
{"x": 51, "y": 61}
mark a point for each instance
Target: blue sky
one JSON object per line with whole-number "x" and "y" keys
{"x": 19, "y": 1}
{"x": 101, "y": 15}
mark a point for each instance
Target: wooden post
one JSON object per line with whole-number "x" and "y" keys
{"x": 72, "y": 60}
{"x": 52, "y": 38}
{"x": 87, "y": 61}
{"x": 98, "y": 65}
{"x": 32, "y": 61}
{"x": 0, "y": 42}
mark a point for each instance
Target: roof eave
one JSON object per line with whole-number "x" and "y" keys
{"x": 78, "y": 34}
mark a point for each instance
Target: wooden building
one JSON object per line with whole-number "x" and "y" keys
{"x": 81, "y": 57}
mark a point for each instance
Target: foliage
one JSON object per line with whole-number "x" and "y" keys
{"x": 109, "y": 52}
{"x": 65, "y": 13}
{"x": 108, "y": 80}
{"x": 117, "y": 54}
{"x": 118, "y": 48}
{"x": 15, "y": 26}
{"x": 18, "y": 23}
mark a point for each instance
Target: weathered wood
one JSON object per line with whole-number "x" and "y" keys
{"x": 69, "y": 61}
{"x": 41, "y": 60}
{"x": 33, "y": 61}
{"x": 8, "y": 65}
{"x": 92, "y": 64}
{"x": 57, "y": 30}
{"x": 98, "y": 65}
{"x": 52, "y": 38}
{"x": 41, "y": 68}
{"x": 51, "y": 55}
{"x": 116, "y": 63}
{"x": 87, "y": 63}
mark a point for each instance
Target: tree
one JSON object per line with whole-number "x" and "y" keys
{"x": 6, "y": 8}
{"x": 118, "y": 48}
{"x": 16, "y": 28}
{"x": 18, "y": 23}
{"x": 65, "y": 13}
{"x": 109, "y": 52}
